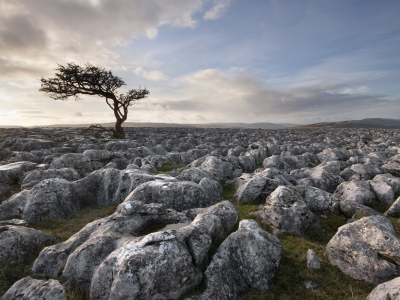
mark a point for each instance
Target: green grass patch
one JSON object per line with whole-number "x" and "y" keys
{"x": 166, "y": 169}
{"x": 64, "y": 229}
{"x": 259, "y": 166}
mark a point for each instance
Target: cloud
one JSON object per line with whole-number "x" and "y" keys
{"x": 24, "y": 84}
{"x": 236, "y": 95}
{"x": 359, "y": 90}
{"x": 218, "y": 10}
{"x": 151, "y": 75}
{"x": 78, "y": 114}
{"x": 30, "y": 112}
{"x": 33, "y": 38}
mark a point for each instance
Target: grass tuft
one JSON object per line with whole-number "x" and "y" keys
{"x": 166, "y": 169}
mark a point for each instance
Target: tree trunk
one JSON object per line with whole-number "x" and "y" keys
{"x": 119, "y": 131}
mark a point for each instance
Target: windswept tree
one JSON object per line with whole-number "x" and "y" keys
{"x": 75, "y": 80}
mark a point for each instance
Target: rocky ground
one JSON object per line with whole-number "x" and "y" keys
{"x": 191, "y": 213}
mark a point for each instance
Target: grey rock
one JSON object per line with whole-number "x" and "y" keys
{"x": 18, "y": 243}
{"x": 247, "y": 259}
{"x": 213, "y": 188}
{"x": 367, "y": 171}
{"x": 29, "y": 144}
{"x": 318, "y": 200}
{"x": 356, "y": 190}
{"x": 317, "y": 177}
{"x": 286, "y": 211}
{"x": 176, "y": 195}
{"x": 350, "y": 208}
{"x": 394, "y": 209}
{"x": 33, "y": 289}
{"x": 389, "y": 290}
{"x": 81, "y": 163}
{"x": 383, "y": 191}
{"x": 12, "y": 173}
{"x": 159, "y": 265}
{"x": 56, "y": 198}
{"x": 38, "y": 175}
{"x": 313, "y": 260}
{"x": 356, "y": 246}
{"x": 311, "y": 285}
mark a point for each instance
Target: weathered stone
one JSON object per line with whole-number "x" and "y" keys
{"x": 162, "y": 264}
{"x": 38, "y": 175}
{"x": 350, "y": 208}
{"x": 356, "y": 247}
{"x": 394, "y": 209}
{"x": 389, "y": 290}
{"x": 318, "y": 200}
{"x": 286, "y": 211}
{"x": 77, "y": 161}
{"x": 356, "y": 190}
{"x": 313, "y": 260}
{"x": 18, "y": 243}
{"x": 247, "y": 259}
{"x": 12, "y": 173}
{"x": 176, "y": 195}
{"x": 33, "y": 289}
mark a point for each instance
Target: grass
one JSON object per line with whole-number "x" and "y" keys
{"x": 166, "y": 169}
{"x": 259, "y": 166}
{"x": 64, "y": 229}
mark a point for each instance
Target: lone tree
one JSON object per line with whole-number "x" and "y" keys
{"x": 74, "y": 80}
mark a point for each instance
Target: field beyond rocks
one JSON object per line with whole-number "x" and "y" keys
{"x": 192, "y": 213}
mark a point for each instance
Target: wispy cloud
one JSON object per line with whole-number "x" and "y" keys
{"x": 218, "y": 10}
{"x": 150, "y": 75}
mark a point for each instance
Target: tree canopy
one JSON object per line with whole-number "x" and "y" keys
{"x": 74, "y": 80}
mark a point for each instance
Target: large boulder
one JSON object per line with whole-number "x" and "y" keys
{"x": 162, "y": 265}
{"x": 318, "y": 200}
{"x": 356, "y": 190}
{"x": 18, "y": 243}
{"x": 286, "y": 211}
{"x": 367, "y": 249}
{"x": 317, "y": 177}
{"x": 247, "y": 259}
{"x": 176, "y": 195}
{"x": 33, "y": 289}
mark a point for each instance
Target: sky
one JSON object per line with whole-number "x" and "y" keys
{"x": 205, "y": 61}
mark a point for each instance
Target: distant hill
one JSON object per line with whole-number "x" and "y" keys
{"x": 209, "y": 125}
{"x": 364, "y": 123}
